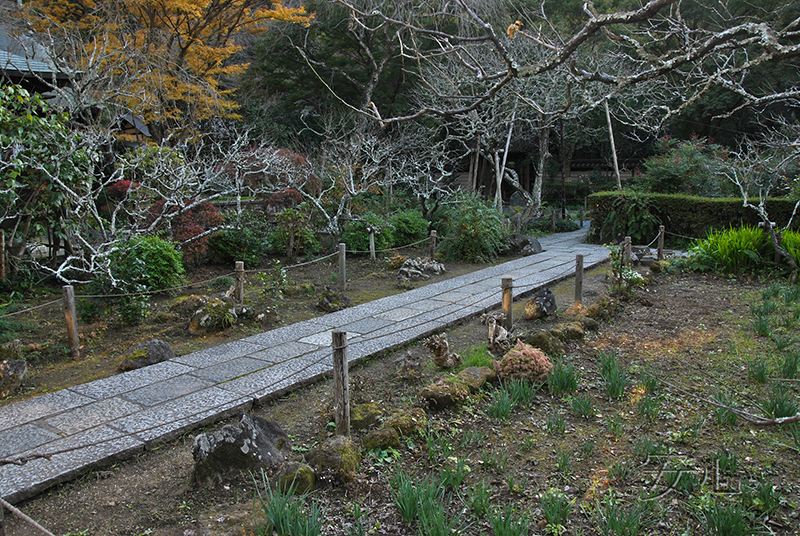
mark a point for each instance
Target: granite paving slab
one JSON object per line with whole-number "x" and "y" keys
{"x": 88, "y": 425}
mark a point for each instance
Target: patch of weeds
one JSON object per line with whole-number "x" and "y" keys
{"x": 507, "y": 522}
{"x": 562, "y": 380}
{"x": 479, "y": 499}
{"x": 582, "y": 406}
{"x": 720, "y": 519}
{"x": 473, "y": 437}
{"x": 383, "y": 457}
{"x": 681, "y": 477}
{"x": 790, "y": 364}
{"x": 501, "y": 405}
{"x": 762, "y": 325}
{"x": 286, "y": 513}
{"x": 649, "y": 379}
{"x": 522, "y": 393}
{"x": 614, "y": 377}
{"x": 648, "y": 407}
{"x": 782, "y": 340}
{"x": 476, "y": 356}
{"x": 688, "y": 434}
{"x": 764, "y": 496}
{"x": 563, "y": 458}
{"x": 725, "y": 416}
{"x": 495, "y": 460}
{"x": 781, "y": 402}
{"x": 527, "y": 444}
{"x": 615, "y": 426}
{"x": 587, "y": 447}
{"x": 611, "y": 518}
{"x": 453, "y": 477}
{"x": 726, "y": 462}
{"x": 772, "y": 291}
{"x": 432, "y": 518}
{"x": 647, "y": 448}
{"x": 439, "y": 446}
{"x": 791, "y": 294}
{"x": 405, "y": 497}
{"x": 556, "y": 507}
{"x": 758, "y": 369}
{"x": 223, "y": 283}
{"x": 555, "y": 423}
{"x": 765, "y": 308}
{"x": 620, "y": 470}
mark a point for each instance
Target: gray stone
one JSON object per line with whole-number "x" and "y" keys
{"x": 541, "y": 305}
{"x": 332, "y": 300}
{"x": 11, "y": 350}
{"x": 337, "y": 455}
{"x": 525, "y": 244}
{"x": 12, "y": 373}
{"x": 256, "y": 443}
{"x": 217, "y": 314}
{"x": 147, "y": 353}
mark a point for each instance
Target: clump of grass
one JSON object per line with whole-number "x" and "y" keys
{"x": 479, "y": 499}
{"x": 781, "y": 402}
{"x": 555, "y": 423}
{"x": 501, "y": 405}
{"x": 720, "y": 519}
{"x": 405, "y": 497}
{"x": 286, "y": 513}
{"x": 782, "y": 341}
{"x": 476, "y": 356}
{"x": 556, "y": 507}
{"x": 563, "y": 457}
{"x": 495, "y": 460}
{"x": 648, "y": 407}
{"x": 790, "y": 294}
{"x": 582, "y": 406}
{"x": 758, "y": 369}
{"x": 724, "y": 415}
{"x": 614, "y": 377}
{"x": 611, "y": 518}
{"x": 646, "y": 448}
{"x": 620, "y": 470}
{"x": 507, "y": 522}
{"x": 453, "y": 477}
{"x": 562, "y": 380}
{"x": 734, "y": 250}
{"x": 681, "y": 477}
{"x": 587, "y": 447}
{"x": 762, "y": 325}
{"x": 790, "y": 364}
{"x": 727, "y": 462}
{"x": 522, "y": 393}
{"x": 615, "y": 426}
{"x": 649, "y": 378}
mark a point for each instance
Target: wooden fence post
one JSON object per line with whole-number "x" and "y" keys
{"x": 553, "y": 220}
{"x": 627, "y": 255}
{"x": 507, "y": 285}
{"x": 342, "y": 267}
{"x": 239, "y": 292}
{"x": 581, "y": 216}
{"x": 433, "y": 244}
{"x": 578, "y": 280}
{"x": 72, "y": 321}
{"x": 371, "y": 244}
{"x": 341, "y": 383}
{"x": 660, "y": 243}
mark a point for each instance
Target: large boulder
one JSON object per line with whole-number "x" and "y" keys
{"x": 445, "y": 393}
{"x": 216, "y": 314}
{"x": 256, "y": 443}
{"x": 332, "y": 300}
{"x": 338, "y": 455}
{"x": 541, "y": 305}
{"x": 544, "y": 339}
{"x": 568, "y": 331}
{"x": 298, "y": 478}
{"x": 147, "y": 353}
{"x": 382, "y": 438}
{"x": 12, "y": 373}
{"x": 407, "y": 421}
{"x": 363, "y": 416}
{"x": 525, "y": 244}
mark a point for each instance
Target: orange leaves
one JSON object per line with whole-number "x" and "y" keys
{"x": 514, "y": 29}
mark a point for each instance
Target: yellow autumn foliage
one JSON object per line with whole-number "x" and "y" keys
{"x": 170, "y": 56}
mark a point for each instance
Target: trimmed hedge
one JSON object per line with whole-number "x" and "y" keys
{"x": 688, "y": 216}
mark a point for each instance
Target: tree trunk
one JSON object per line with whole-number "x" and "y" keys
{"x": 541, "y": 167}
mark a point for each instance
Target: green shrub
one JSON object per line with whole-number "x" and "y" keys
{"x": 356, "y": 233}
{"x": 791, "y": 243}
{"x": 735, "y": 250}
{"x": 631, "y": 215}
{"x": 408, "y": 226}
{"x": 149, "y": 261}
{"x": 689, "y": 167}
{"x": 294, "y": 234}
{"x": 231, "y": 245}
{"x": 473, "y": 229}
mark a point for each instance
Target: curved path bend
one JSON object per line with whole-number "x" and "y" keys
{"x": 96, "y": 423}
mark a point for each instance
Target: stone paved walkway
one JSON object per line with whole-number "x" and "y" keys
{"x": 97, "y": 423}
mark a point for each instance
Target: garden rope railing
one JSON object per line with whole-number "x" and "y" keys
{"x": 33, "y": 308}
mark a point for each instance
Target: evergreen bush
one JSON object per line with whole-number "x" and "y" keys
{"x": 473, "y": 229}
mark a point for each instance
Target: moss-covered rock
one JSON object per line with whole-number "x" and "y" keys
{"x": 365, "y": 416}
{"x": 296, "y": 477}
{"x": 445, "y": 393}
{"x": 603, "y": 308}
{"x": 476, "y": 377}
{"x": 337, "y": 454}
{"x": 569, "y": 331}
{"x": 382, "y": 438}
{"x": 549, "y": 343}
{"x": 407, "y": 421}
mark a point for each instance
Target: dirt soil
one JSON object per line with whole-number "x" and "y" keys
{"x": 694, "y": 331}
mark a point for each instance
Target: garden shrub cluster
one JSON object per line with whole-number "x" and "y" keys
{"x": 681, "y": 215}
{"x": 473, "y": 229}
{"x": 524, "y": 362}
